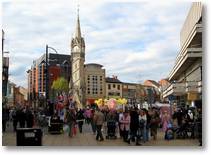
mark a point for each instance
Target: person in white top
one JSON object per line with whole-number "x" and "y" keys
{"x": 125, "y": 125}
{"x": 142, "y": 125}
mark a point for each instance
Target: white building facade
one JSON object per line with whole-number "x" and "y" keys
{"x": 186, "y": 75}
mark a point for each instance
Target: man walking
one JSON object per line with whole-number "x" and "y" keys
{"x": 99, "y": 119}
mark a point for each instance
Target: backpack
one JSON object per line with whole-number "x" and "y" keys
{"x": 141, "y": 123}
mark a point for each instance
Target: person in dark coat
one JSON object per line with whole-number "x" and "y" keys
{"x": 199, "y": 124}
{"x": 134, "y": 125}
{"x": 80, "y": 119}
{"x": 29, "y": 118}
{"x": 154, "y": 123}
{"x": 179, "y": 117}
{"x": 148, "y": 124}
{"x": 21, "y": 117}
{"x": 5, "y": 117}
{"x": 14, "y": 119}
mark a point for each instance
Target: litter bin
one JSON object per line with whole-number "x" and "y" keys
{"x": 29, "y": 137}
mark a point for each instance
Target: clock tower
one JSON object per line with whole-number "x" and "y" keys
{"x": 78, "y": 59}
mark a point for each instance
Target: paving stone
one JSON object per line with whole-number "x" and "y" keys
{"x": 88, "y": 139}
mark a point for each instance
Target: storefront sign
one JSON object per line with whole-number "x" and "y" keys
{"x": 193, "y": 96}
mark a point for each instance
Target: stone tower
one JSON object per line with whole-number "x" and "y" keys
{"x": 78, "y": 59}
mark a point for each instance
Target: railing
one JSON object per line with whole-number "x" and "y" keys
{"x": 191, "y": 86}
{"x": 197, "y": 27}
{"x": 174, "y": 88}
{"x": 183, "y": 88}
{"x": 188, "y": 53}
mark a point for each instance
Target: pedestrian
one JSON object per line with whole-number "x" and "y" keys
{"x": 5, "y": 117}
{"x": 14, "y": 119}
{"x": 80, "y": 119}
{"x": 93, "y": 125}
{"x": 134, "y": 125}
{"x": 199, "y": 126}
{"x": 22, "y": 118}
{"x": 120, "y": 115}
{"x": 147, "y": 123}
{"x": 111, "y": 120}
{"x": 88, "y": 115}
{"x": 154, "y": 123}
{"x": 29, "y": 118}
{"x": 190, "y": 116}
{"x": 70, "y": 120}
{"x": 143, "y": 124}
{"x": 125, "y": 125}
{"x": 99, "y": 120}
{"x": 179, "y": 116}
{"x": 166, "y": 121}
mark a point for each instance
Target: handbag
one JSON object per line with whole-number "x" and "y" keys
{"x": 74, "y": 129}
{"x": 66, "y": 128}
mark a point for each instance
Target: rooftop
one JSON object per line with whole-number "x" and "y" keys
{"x": 153, "y": 82}
{"x": 94, "y": 64}
{"x": 113, "y": 79}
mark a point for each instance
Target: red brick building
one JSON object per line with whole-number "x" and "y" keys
{"x": 58, "y": 66}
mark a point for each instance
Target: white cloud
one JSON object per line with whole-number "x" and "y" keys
{"x": 128, "y": 38}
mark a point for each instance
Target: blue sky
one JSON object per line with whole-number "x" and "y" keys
{"x": 134, "y": 40}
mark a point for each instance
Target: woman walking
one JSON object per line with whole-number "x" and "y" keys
{"x": 125, "y": 125}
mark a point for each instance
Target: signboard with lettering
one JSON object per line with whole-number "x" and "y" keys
{"x": 193, "y": 96}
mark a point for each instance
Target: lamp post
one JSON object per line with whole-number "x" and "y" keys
{"x": 47, "y": 72}
{"x": 5, "y": 68}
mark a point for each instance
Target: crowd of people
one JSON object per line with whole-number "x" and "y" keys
{"x": 133, "y": 124}
{"x": 130, "y": 124}
{"x": 22, "y": 117}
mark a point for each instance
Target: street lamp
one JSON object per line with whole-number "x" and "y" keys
{"x": 47, "y": 80}
{"x": 5, "y": 68}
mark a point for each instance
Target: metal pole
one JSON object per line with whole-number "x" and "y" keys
{"x": 46, "y": 75}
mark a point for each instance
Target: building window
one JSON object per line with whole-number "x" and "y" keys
{"x": 118, "y": 87}
{"x": 114, "y": 86}
{"x": 109, "y": 86}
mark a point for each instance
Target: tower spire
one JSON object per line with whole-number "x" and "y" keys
{"x": 78, "y": 28}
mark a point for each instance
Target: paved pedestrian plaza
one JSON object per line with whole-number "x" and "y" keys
{"x": 88, "y": 139}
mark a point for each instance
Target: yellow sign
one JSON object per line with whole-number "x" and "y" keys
{"x": 193, "y": 96}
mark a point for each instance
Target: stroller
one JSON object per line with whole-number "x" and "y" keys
{"x": 186, "y": 130}
{"x": 169, "y": 133}
{"x": 55, "y": 125}
{"x": 111, "y": 132}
